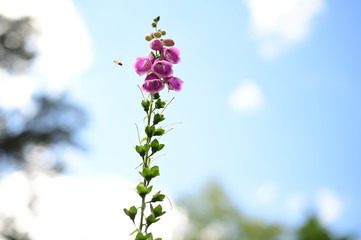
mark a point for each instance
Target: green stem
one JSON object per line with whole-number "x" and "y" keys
{"x": 145, "y": 164}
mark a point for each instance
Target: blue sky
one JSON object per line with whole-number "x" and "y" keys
{"x": 289, "y": 144}
{"x": 300, "y": 140}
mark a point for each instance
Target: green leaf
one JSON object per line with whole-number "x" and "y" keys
{"x": 144, "y": 139}
{"x": 151, "y": 219}
{"x": 149, "y": 130}
{"x": 160, "y": 147}
{"x": 145, "y": 105}
{"x": 158, "y": 211}
{"x": 140, "y": 150}
{"x": 140, "y": 236}
{"x": 155, "y": 171}
{"x": 156, "y": 146}
{"x": 156, "y": 96}
{"x": 158, "y": 197}
{"x": 142, "y": 190}
{"x": 159, "y": 132}
{"x": 158, "y": 118}
{"x": 132, "y": 212}
{"x": 146, "y": 173}
{"x": 136, "y": 230}
{"x": 146, "y": 147}
{"x": 154, "y": 143}
{"x": 149, "y": 173}
{"x": 149, "y": 189}
{"x": 126, "y": 211}
{"x": 159, "y": 104}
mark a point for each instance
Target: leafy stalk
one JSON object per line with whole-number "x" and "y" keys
{"x": 145, "y": 164}
{"x": 152, "y": 107}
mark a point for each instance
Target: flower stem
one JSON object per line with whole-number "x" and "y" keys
{"x": 145, "y": 165}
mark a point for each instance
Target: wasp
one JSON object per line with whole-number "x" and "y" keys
{"x": 119, "y": 63}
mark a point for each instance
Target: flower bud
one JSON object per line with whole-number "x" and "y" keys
{"x": 156, "y": 19}
{"x": 156, "y": 45}
{"x": 148, "y": 37}
{"x": 157, "y": 34}
{"x": 154, "y": 24}
{"x": 163, "y": 32}
{"x": 168, "y": 42}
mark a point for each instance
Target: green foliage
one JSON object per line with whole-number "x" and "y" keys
{"x": 142, "y": 149}
{"x": 150, "y": 173}
{"x": 258, "y": 230}
{"x": 313, "y": 230}
{"x": 149, "y": 130}
{"x": 141, "y": 236}
{"x": 146, "y": 105}
{"x": 157, "y": 211}
{"x": 142, "y": 190}
{"x": 158, "y": 118}
{"x": 159, "y": 104}
{"x": 132, "y": 212}
{"x": 159, "y": 132}
{"x": 213, "y": 209}
{"x": 156, "y": 146}
{"x": 158, "y": 197}
{"x": 151, "y": 219}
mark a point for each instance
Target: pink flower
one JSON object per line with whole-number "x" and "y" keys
{"x": 156, "y": 45}
{"x": 175, "y": 83}
{"x": 152, "y": 84}
{"x": 143, "y": 65}
{"x": 171, "y": 55}
{"x": 162, "y": 68}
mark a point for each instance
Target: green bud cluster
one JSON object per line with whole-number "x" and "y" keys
{"x": 158, "y": 33}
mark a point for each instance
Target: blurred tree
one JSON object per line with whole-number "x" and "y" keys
{"x": 14, "y": 44}
{"x": 50, "y": 125}
{"x": 55, "y": 120}
{"x": 53, "y": 124}
{"x": 313, "y": 230}
{"x": 11, "y": 232}
{"x": 214, "y": 217}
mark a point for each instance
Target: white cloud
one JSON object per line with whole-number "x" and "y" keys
{"x": 16, "y": 91}
{"x": 266, "y": 193}
{"x": 280, "y": 23}
{"x": 329, "y": 206}
{"x": 247, "y": 97}
{"x": 71, "y": 208}
{"x": 61, "y": 40}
